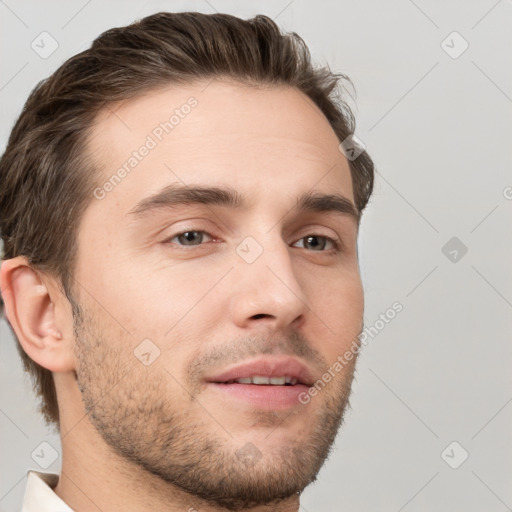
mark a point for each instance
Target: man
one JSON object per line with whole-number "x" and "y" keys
{"x": 180, "y": 265}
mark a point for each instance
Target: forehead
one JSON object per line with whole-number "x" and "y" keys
{"x": 216, "y": 133}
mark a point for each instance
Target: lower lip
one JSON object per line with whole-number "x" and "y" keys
{"x": 267, "y": 397}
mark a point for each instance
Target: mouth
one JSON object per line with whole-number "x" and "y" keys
{"x": 260, "y": 380}
{"x": 264, "y": 383}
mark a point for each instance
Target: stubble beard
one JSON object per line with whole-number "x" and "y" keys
{"x": 134, "y": 414}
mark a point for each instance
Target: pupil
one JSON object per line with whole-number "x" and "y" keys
{"x": 191, "y": 238}
{"x": 314, "y": 243}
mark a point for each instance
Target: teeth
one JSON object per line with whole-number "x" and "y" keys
{"x": 260, "y": 380}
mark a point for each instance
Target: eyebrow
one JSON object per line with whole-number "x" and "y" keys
{"x": 176, "y": 195}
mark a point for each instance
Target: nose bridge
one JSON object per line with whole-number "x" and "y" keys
{"x": 267, "y": 284}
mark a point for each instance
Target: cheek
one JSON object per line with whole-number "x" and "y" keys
{"x": 146, "y": 299}
{"x": 170, "y": 296}
{"x": 338, "y": 305}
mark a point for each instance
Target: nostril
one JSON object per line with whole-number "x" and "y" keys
{"x": 260, "y": 315}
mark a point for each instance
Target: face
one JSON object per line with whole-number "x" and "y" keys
{"x": 222, "y": 283}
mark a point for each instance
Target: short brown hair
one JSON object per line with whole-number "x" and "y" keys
{"x": 46, "y": 175}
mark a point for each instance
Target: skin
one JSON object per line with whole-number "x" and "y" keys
{"x": 135, "y": 436}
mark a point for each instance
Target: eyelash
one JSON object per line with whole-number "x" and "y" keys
{"x": 336, "y": 244}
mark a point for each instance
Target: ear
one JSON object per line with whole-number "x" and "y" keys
{"x": 39, "y": 314}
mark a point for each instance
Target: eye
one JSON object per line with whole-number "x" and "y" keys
{"x": 316, "y": 243}
{"x": 190, "y": 238}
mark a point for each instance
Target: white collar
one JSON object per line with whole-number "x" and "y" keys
{"x": 39, "y": 495}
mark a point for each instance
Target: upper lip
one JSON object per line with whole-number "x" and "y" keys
{"x": 267, "y": 367}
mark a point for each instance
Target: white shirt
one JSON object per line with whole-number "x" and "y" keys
{"x": 39, "y": 495}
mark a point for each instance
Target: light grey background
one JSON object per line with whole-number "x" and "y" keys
{"x": 439, "y": 129}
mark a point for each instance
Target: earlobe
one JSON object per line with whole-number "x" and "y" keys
{"x": 30, "y": 304}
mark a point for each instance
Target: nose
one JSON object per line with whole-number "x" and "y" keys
{"x": 268, "y": 291}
